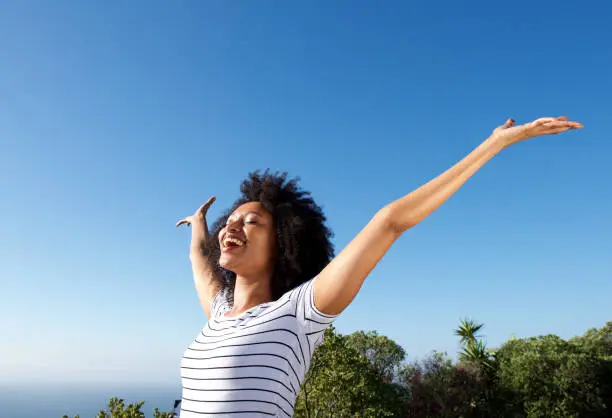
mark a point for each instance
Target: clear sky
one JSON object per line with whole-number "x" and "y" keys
{"x": 117, "y": 119}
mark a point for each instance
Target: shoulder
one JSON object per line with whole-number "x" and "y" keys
{"x": 220, "y": 302}
{"x": 302, "y": 299}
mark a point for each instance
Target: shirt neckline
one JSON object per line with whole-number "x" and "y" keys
{"x": 255, "y": 309}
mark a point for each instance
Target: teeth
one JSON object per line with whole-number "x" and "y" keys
{"x": 233, "y": 241}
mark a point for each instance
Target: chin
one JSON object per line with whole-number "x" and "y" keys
{"x": 226, "y": 265}
{"x": 230, "y": 264}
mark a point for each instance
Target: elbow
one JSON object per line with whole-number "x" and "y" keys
{"x": 392, "y": 220}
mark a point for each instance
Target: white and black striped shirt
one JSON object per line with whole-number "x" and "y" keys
{"x": 252, "y": 364}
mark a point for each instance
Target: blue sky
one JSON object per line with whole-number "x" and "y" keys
{"x": 118, "y": 119}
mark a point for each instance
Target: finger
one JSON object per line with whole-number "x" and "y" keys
{"x": 204, "y": 208}
{"x": 509, "y": 123}
{"x": 183, "y": 221}
{"x": 562, "y": 127}
{"x": 564, "y": 123}
{"x": 573, "y": 125}
{"x": 543, "y": 121}
{"x": 209, "y": 202}
{"x": 576, "y": 125}
{"x": 557, "y": 130}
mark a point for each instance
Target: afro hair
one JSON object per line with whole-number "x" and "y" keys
{"x": 304, "y": 244}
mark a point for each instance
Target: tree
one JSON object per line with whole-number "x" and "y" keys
{"x": 385, "y": 358}
{"x": 475, "y": 355}
{"x": 547, "y": 376}
{"x": 364, "y": 374}
{"x": 342, "y": 383}
{"x": 474, "y": 349}
{"x": 597, "y": 341}
{"x": 118, "y": 409}
{"x": 438, "y": 388}
{"x": 384, "y": 354}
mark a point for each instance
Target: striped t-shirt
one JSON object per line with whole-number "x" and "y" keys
{"x": 252, "y": 364}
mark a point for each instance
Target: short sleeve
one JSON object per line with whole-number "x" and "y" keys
{"x": 312, "y": 321}
{"x": 218, "y": 302}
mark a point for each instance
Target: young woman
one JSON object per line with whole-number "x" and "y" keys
{"x": 269, "y": 286}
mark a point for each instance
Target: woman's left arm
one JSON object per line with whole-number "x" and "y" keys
{"x": 337, "y": 285}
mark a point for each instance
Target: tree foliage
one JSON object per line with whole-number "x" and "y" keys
{"x": 117, "y": 409}
{"x": 365, "y": 374}
{"x": 547, "y": 376}
{"x": 383, "y": 354}
{"x": 439, "y": 388}
{"x": 473, "y": 348}
{"x": 596, "y": 341}
{"x": 343, "y": 382}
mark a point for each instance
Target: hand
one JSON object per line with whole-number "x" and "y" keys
{"x": 199, "y": 214}
{"x": 509, "y": 133}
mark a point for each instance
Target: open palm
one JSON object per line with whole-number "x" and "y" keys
{"x": 509, "y": 133}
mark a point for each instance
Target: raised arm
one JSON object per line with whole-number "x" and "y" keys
{"x": 205, "y": 276}
{"x": 337, "y": 285}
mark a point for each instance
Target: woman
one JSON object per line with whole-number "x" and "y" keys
{"x": 269, "y": 289}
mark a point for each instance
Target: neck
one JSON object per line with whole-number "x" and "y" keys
{"x": 249, "y": 292}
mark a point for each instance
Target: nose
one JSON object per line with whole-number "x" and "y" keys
{"x": 234, "y": 225}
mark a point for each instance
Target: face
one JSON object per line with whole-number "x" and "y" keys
{"x": 248, "y": 241}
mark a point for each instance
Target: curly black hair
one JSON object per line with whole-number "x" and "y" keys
{"x": 304, "y": 244}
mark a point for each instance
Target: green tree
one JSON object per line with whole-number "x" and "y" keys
{"x": 599, "y": 343}
{"x": 547, "y": 376}
{"x": 364, "y": 374}
{"x": 342, "y": 383}
{"x": 438, "y": 388}
{"x": 384, "y": 354}
{"x": 473, "y": 348}
{"x": 385, "y": 358}
{"x": 596, "y": 341}
{"x": 117, "y": 409}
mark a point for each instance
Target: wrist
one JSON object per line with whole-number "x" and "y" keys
{"x": 496, "y": 143}
{"x": 198, "y": 222}
{"x": 504, "y": 141}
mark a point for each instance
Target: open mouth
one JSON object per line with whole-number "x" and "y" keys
{"x": 230, "y": 243}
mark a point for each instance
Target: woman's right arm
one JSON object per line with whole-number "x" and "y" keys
{"x": 206, "y": 276}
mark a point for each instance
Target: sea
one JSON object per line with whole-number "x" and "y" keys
{"x": 53, "y": 401}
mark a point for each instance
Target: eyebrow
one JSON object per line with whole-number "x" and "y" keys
{"x": 252, "y": 212}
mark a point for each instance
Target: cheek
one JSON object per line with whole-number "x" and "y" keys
{"x": 266, "y": 245}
